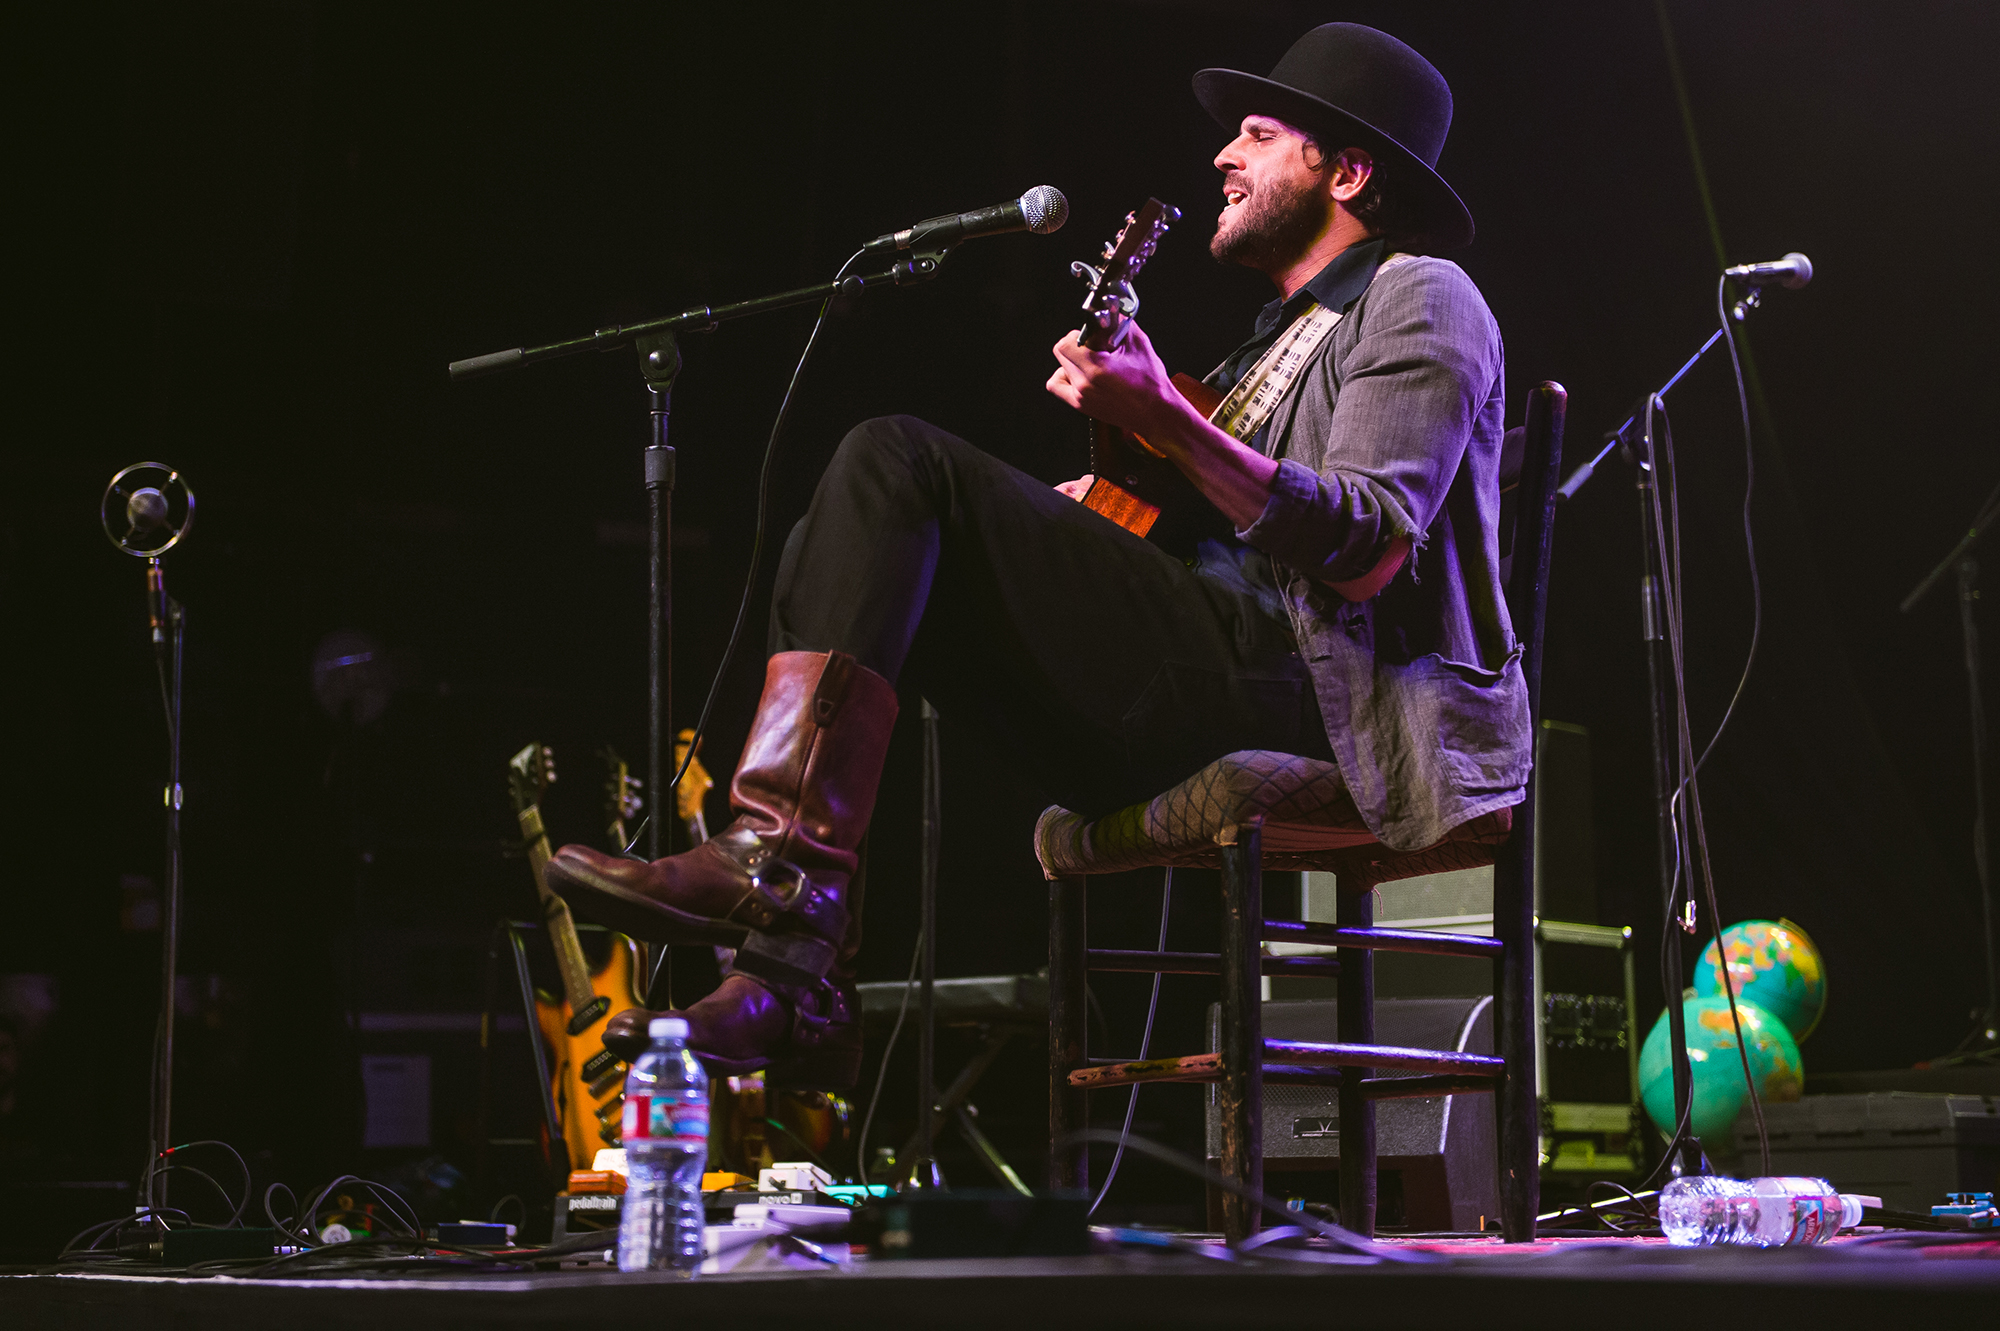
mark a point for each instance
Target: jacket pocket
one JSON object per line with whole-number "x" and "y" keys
{"x": 1475, "y": 721}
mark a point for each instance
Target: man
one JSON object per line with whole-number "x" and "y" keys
{"x": 924, "y": 562}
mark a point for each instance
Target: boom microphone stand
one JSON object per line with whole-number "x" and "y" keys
{"x": 658, "y": 344}
{"x": 147, "y": 509}
{"x": 1635, "y": 438}
{"x": 1986, "y": 1039}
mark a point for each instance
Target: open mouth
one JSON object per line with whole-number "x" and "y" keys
{"x": 1232, "y": 198}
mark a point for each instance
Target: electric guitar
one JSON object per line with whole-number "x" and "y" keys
{"x": 622, "y": 800}
{"x": 1133, "y": 483}
{"x": 588, "y": 1079}
{"x": 692, "y": 793}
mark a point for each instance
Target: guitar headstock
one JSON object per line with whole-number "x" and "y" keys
{"x": 1111, "y": 299}
{"x": 695, "y": 785}
{"x": 622, "y": 799}
{"x": 529, "y": 775}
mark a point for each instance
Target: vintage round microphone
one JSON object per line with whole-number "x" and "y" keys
{"x": 148, "y": 508}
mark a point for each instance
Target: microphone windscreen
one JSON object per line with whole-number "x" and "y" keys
{"x": 146, "y": 509}
{"x": 1045, "y": 209}
{"x": 1801, "y": 271}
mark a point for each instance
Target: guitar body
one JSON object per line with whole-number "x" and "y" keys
{"x": 589, "y": 1080}
{"x": 1136, "y": 487}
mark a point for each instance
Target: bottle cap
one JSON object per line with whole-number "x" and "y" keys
{"x": 667, "y": 1028}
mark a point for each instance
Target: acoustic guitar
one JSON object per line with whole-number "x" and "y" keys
{"x": 588, "y": 1079}
{"x": 1133, "y": 483}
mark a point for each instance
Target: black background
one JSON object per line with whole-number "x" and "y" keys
{"x": 253, "y": 235}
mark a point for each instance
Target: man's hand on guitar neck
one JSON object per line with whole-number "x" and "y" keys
{"x": 1127, "y": 386}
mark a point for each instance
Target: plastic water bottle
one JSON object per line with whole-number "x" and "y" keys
{"x": 666, "y": 1148}
{"x": 1703, "y": 1211}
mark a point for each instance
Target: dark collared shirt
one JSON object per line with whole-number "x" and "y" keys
{"x": 1336, "y": 286}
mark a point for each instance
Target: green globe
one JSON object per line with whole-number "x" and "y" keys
{"x": 1719, "y": 1094}
{"x": 1774, "y": 965}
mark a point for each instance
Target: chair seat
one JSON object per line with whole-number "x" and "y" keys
{"x": 1308, "y": 821}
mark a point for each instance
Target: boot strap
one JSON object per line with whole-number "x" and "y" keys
{"x": 825, "y": 1006}
{"x": 834, "y": 679}
{"x": 786, "y": 958}
{"x": 779, "y": 888}
{"x": 817, "y": 1006}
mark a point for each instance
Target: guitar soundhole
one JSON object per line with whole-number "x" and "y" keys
{"x": 601, "y": 1062}
{"x": 587, "y": 1018}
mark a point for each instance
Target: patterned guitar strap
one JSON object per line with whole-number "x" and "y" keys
{"x": 1257, "y": 394}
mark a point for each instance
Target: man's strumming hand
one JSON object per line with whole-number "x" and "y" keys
{"x": 1124, "y": 385}
{"x": 1128, "y": 387}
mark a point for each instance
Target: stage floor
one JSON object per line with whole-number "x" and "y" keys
{"x": 1551, "y": 1284}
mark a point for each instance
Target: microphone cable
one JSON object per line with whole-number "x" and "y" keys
{"x": 1749, "y": 539}
{"x": 1145, "y": 1046}
{"x": 756, "y": 542}
{"x": 1691, "y": 855}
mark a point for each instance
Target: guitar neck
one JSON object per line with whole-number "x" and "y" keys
{"x": 556, "y": 917}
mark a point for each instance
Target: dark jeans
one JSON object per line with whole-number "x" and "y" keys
{"x": 1111, "y": 669}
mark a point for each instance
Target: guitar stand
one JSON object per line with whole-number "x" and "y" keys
{"x": 508, "y": 934}
{"x": 917, "y": 1162}
{"x": 956, "y": 1101}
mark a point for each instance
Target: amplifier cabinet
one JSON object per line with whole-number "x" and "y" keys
{"x": 1435, "y": 1155}
{"x": 1908, "y": 1149}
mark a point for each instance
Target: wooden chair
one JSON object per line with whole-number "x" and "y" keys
{"x": 1254, "y": 810}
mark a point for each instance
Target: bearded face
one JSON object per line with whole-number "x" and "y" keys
{"x": 1269, "y": 219}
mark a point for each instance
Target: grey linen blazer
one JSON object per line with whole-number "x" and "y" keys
{"x": 1395, "y": 429}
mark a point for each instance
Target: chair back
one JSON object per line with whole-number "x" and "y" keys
{"x": 1534, "y": 514}
{"x": 1517, "y": 1113}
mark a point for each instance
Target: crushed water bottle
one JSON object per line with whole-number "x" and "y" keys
{"x": 1703, "y": 1211}
{"x": 666, "y": 1148}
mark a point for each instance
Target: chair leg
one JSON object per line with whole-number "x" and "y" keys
{"x": 1517, "y": 1113}
{"x": 1069, "y": 1164}
{"x": 1242, "y": 1088}
{"x": 1356, "y": 1025}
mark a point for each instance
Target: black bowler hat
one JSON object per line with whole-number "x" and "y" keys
{"x": 1351, "y": 86}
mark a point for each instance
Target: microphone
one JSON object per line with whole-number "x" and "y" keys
{"x": 1791, "y": 272}
{"x": 145, "y": 510}
{"x": 1041, "y": 210}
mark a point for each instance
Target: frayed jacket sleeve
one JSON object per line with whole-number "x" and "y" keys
{"x": 1425, "y": 361}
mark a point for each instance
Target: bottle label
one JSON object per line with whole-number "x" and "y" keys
{"x": 1809, "y": 1220}
{"x": 665, "y": 1117}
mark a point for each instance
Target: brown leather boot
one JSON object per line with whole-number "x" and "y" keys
{"x": 803, "y": 1037}
{"x": 774, "y": 884}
